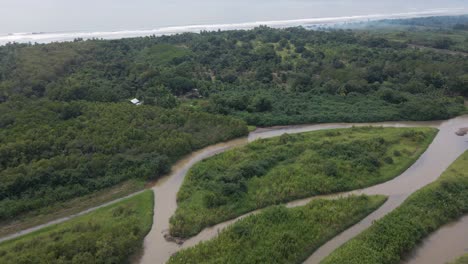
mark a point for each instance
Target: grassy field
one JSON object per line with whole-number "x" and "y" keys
{"x": 74, "y": 206}
{"x": 281, "y": 235}
{"x": 290, "y": 167}
{"x": 390, "y": 238}
{"x": 109, "y": 235}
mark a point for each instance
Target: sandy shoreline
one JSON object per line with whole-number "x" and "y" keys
{"x": 43, "y": 37}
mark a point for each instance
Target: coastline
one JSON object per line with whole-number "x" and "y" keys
{"x": 45, "y": 37}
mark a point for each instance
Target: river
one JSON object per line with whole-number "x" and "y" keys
{"x": 445, "y": 149}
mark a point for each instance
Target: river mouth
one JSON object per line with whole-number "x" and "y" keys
{"x": 445, "y": 148}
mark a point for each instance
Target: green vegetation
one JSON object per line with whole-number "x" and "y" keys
{"x": 296, "y": 108}
{"x": 265, "y": 76}
{"x": 73, "y": 206}
{"x": 68, "y": 133}
{"x": 447, "y": 33}
{"x": 281, "y": 235}
{"x": 53, "y": 152}
{"x": 109, "y": 235}
{"x": 388, "y": 239}
{"x": 273, "y": 171}
{"x": 462, "y": 260}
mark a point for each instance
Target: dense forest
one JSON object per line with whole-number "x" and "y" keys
{"x": 51, "y": 152}
{"x": 291, "y": 167}
{"x": 265, "y": 76}
{"x": 68, "y": 130}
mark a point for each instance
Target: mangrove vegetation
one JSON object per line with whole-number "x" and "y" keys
{"x": 281, "y": 235}
{"x": 110, "y": 235}
{"x": 389, "y": 239}
{"x": 289, "y": 167}
{"x": 53, "y": 152}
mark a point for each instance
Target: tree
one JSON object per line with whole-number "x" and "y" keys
{"x": 262, "y": 103}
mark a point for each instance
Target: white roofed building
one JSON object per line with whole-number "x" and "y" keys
{"x": 135, "y": 101}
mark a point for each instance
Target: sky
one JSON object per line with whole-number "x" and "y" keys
{"x": 108, "y": 15}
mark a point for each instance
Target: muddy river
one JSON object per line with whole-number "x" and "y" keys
{"x": 445, "y": 245}
{"x": 445, "y": 149}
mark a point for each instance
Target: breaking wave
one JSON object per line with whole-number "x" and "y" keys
{"x": 43, "y": 37}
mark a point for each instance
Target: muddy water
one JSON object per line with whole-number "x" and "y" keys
{"x": 444, "y": 245}
{"x": 156, "y": 248}
{"x": 442, "y": 152}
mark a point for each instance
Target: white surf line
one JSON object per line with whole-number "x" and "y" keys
{"x": 45, "y": 37}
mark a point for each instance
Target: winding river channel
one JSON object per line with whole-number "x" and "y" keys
{"x": 443, "y": 151}
{"x": 444, "y": 245}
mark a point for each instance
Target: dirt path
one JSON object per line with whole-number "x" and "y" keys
{"x": 64, "y": 219}
{"x": 440, "y": 154}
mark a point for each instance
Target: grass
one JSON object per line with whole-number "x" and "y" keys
{"x": 57, "y": 211}
{"x": 421, "y": 35}
{"x": 290, "y": 167}
{"x": 162, "y": 54}
{"x": 462, "y": 260}
{"x": 281, "y": 235}
{"x": 390, "y": 238}
{"x": 251, "y": 128}
{"x": 108, "y": 235}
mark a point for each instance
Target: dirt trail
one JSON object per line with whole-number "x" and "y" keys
{"x": 447, "y": 146}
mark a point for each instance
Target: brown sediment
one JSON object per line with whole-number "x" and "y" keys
{"x": 443, "y": 151}
{"x": 446, "y": 147}
{"x": 177, "y": 240}
{"x": 462, "y": 131}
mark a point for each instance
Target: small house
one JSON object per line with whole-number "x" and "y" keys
{"x": 135, "y": 101}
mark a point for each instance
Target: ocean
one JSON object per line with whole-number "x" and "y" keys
{"x": 53, "y": 20}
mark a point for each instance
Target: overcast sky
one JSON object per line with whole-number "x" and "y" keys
{"x": 96, "y": 15}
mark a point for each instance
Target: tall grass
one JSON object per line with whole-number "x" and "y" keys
{"x": 109, "y": 235}
{"x": 273, "y": 171}
{"x": 390, "y": 238}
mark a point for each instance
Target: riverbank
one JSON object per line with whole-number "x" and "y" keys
{"x": 387, "y": 240}
{"x": 445, "y": 148}
{"x": 440, "y": 154}
{"x": 281, "y": 235}
{"x": 291, "y": 167}
{"x": 62, "y": 212}
{"x": 111, "y": 234}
